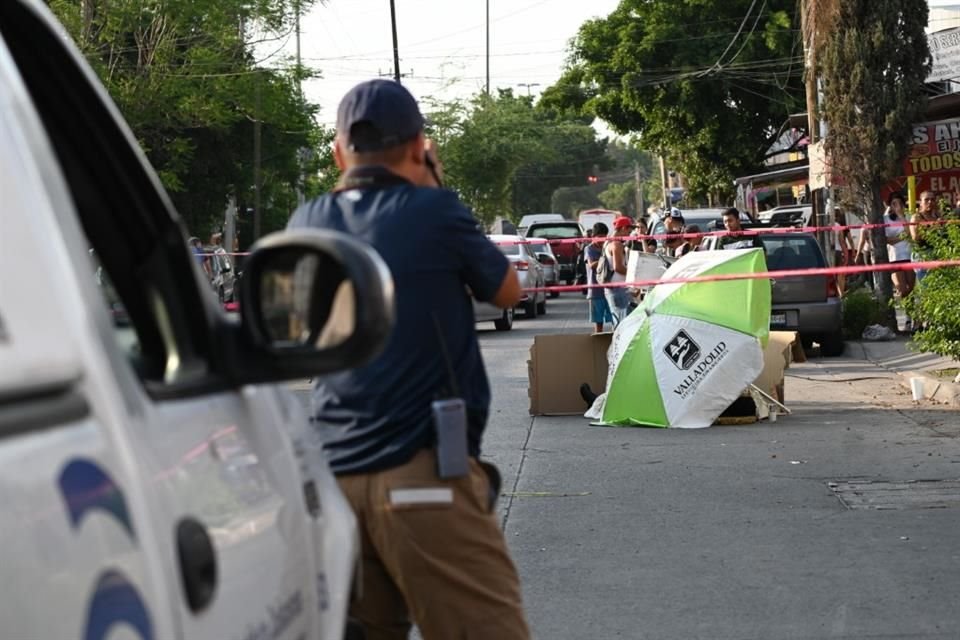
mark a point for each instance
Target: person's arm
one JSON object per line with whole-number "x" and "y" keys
{"x": 914, "y": 228}
{"x": 508, "y": 295}
{"x": 619, "y": 259}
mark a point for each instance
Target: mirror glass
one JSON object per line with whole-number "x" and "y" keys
{"x": 305, "y": 299}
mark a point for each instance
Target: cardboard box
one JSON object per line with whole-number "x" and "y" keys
{"x": 783, "y": 348}
{"x": 560, "y": 363}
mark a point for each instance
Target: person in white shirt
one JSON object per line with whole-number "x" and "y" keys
{"x": 898, "y": 248}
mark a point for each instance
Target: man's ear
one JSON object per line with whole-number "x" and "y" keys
{"x": 418, "y": 150}
{"x": 338, "y": 158}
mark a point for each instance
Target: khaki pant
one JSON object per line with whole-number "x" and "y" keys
{"x": 432, "y": 550}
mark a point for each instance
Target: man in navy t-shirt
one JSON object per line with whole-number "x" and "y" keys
{"x": 432, "y": 548}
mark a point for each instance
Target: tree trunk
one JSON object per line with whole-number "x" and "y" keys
{"x": 878, "y": 240}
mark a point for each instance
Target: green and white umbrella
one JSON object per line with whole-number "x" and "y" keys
{"x": 686, "y": 353}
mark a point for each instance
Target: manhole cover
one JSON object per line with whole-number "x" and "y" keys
{"x": 913, "y": 494}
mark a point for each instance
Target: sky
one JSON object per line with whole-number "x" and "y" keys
{"x": 441, "y": 43}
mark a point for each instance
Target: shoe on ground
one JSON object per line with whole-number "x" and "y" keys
{"x": 587, "y": 394}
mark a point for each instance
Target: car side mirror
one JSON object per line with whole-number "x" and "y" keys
{"x": 313, "y": 302}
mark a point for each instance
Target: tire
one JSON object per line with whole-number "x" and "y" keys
{"x": 831, "y": 345}
{"x": 530, "y": 309}
{"x": 554, "y": 294}
{"x": 505, "y": 322}
{"x": 542, "y": 306}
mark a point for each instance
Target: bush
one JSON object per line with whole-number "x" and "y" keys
{"x": 935, "y": 302}
{"x": 860, "y": 310}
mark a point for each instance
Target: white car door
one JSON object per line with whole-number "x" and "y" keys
{"x": 225, "y": 503}
{"x": 78, "y": 552}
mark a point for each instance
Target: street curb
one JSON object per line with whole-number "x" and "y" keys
{"x": 936, "y": 389}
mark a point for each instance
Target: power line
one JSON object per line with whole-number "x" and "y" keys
{"x": 743, "y": 23}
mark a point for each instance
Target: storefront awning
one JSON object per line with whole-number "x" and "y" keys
{"x": 789, "y": 173}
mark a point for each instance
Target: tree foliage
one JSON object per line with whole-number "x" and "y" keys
{"x": 935, "y": 301}
{"x": 186, "y": 76}
{"x": 506, "y": 157}
{"x": 708, "y": 83}
{"x": 872, "y": 63}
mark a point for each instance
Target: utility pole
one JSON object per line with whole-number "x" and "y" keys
{"x": 528, "y": 85}
{"x": 301, "y": 152}
{"x": 639, "y": 181}
{"x": 663, "y": 181}
{"x": 488, "y": 47}
{"x": 256, "y": 160}
{"x": 396, "y": 49}
{"x": 813, "y": 123}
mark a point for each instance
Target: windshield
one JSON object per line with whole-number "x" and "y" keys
{"x": 539, "y": 247}
{"x": 509, "y": 249}
{"x": 557, "y": 231}
{"x": 791, "y": 252}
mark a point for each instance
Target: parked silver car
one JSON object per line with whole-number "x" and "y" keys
{"x": 531, "y": 275}
{"x": 547, "y": 260}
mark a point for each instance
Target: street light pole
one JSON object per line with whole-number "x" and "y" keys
{"x": 396, "y": 50}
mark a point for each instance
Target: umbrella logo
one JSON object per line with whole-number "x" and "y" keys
{"x": 682, "y": 350}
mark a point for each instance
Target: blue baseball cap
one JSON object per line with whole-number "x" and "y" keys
{"x": 386, "y": 107}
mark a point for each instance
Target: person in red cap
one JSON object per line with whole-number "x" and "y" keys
{"x": 618, "y": 298}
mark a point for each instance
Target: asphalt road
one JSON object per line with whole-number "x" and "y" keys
{"x": 731, "y": 532}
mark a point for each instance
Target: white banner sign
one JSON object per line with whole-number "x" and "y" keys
{"x": 945, "y": 50}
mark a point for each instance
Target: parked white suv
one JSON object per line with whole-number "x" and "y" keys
{"x": 155, "y": 483}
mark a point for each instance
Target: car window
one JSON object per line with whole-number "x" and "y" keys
{"x": 791, "y": 252}
{"x": 539, "y": 247}
{"x": 509, "y": 249}
{"x": 558, "y": 231}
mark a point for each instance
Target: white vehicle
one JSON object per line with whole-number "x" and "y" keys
{"x": 590, "y": 217}
{"x": 788, "y": 214}
{"x": 534, "y": 218}
{"x": 155, "y": 483}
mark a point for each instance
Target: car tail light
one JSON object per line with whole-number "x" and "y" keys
{"x": 521, "y": 265}
{"x": 832, "y": 291}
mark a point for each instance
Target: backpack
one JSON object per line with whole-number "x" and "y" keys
{"x": 604, "y": 268}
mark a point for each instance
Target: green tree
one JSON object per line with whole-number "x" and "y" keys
{"x": 187, "y": 78}
{"x": 708, "y": 83}
{"x": 872, "y": 63}
{"x": 507, "y": 157}
{"x": 935, "y": 301}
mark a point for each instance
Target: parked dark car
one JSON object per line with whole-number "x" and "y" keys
{"x": 566, "y": 252}
{"x": 807, "y": 304}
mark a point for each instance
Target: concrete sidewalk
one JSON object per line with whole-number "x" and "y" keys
{"x": 897, "y": 356}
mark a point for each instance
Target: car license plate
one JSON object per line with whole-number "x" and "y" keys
{"x": 778, "y": 319}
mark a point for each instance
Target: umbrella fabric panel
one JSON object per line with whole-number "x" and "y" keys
{"x": 743, "y": 305}
{"x": 701, "y": 368}
{"x": 633, "y": 393}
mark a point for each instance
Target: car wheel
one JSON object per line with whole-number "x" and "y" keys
{"x": 530, "y": 308}
{"x": 505, "y": 322}
{"x": 831, "y": 345}
{"x": 554, "y": 294}
{"x": 542, "y": 306}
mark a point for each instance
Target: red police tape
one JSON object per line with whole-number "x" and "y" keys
{"x": 751, "y": 231}
{"x": 787, "y": 273}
